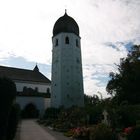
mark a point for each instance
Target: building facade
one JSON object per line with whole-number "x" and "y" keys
{"x": 33, "y": 88}
{"x": 67, "y": 77}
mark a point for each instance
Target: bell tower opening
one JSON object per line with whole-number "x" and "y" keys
{"x": 67, "y": 40}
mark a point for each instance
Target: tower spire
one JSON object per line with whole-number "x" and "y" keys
{"x": 65, "y": 11}
{"x": 36, "y": 68}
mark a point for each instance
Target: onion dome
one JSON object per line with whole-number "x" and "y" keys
{"x": 65, "y": 24}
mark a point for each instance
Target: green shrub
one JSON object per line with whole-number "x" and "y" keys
{"x": 7, "y": 96}
{"x": 13, "y": 122}
{"x": 135, "y": 134}
{"x": 51, "y": 113}
{"x": 102, "y": 132}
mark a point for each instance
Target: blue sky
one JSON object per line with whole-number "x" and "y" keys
{"x": 107, "y": 29}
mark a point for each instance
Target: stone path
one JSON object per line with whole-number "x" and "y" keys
{"x": 30, "y": 130}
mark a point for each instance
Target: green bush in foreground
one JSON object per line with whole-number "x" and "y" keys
{"x": 135, "y": 134}
{"x": 7, "y": 97}
{"x": 102, "y": 132}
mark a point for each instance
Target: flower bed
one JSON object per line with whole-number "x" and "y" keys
{"x": 97, "y": 132}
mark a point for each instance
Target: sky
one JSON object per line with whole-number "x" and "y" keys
{"x": 108, "y": 28}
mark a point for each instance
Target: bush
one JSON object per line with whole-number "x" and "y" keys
{"x": 135, "y": 134}
{"x": 102, "y": 132}
{"x": 13, "y": 122}
{"x": 7, "y": 96}
{"x": 94, "y": 113}
{"x": 81, "y": 133}
{"x": 65, "y": 119}
{"x": 129, "y": 114}
{"x": 51, "y": 113}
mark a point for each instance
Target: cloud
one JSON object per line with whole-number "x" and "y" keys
{"x": 113, "y": 26}
{"x": 96, "y": 77}
{"x": 21, "y": 62}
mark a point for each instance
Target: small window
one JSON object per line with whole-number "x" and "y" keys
{"x": 56, "y": 42}
{"x": 77, "y": 43}
{"x": 67, "y": 40}
{"x": 36, "y": 89}
{"x": 24, "y": 89}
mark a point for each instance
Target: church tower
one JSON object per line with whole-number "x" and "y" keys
{"x": 67, "y": 77}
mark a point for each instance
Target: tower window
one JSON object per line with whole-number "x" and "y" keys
{"x": 66, "y": 40}
{"x": 56, "y": 42}
{"x": 77, "y": 43}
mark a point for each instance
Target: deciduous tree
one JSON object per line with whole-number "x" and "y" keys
{"x": 125, "y": 85}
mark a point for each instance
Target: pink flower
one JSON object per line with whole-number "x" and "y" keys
{"x": 128, "y": 130}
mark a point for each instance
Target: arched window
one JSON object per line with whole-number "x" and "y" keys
{"x": 77, "y": 43}
{"x": 56, "y": 42}
{"x": 67, "y": 40}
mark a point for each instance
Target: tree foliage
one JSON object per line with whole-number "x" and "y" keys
{"x": 13, "y": 120}
{"x": 7, "y": 96}
{"x": 91, "y": 100}
{"x": 125, "y": 85}
{"x": 102, "y": 132}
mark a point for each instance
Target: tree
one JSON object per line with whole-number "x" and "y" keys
{"x": 125, "y": 85}
{"x": 7, "y": 96}
{"x": 13, "y": 120}
{"x": 91, "y": 100}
